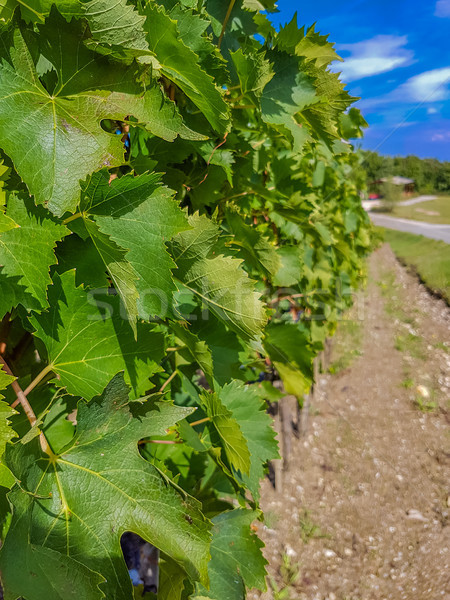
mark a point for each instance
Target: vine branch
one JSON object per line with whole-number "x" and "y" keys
{"x": 225, "y": 22}
{"x": 28, "y": 410}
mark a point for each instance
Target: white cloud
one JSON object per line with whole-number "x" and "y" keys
{"x": 440, "y": 137}
{"x": 424, "y": 88}
{"x": 442, "y": 8}
{"x": 430, "y": 86}
{"x": 380, "y": 54}
{"x": 432, "y": 111}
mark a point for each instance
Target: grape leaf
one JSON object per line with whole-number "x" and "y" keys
{"x": 286, "y": 94}
{"x": 180, "y": 64}
{"x": 288, "y": 345}
{"x": 171, "y": 580}
{"x": 245, "y": 404}
{"x": 122, "y": 273}
{"x": 65, "y": 136}
{"x": 117, "y": 23}
{"x": 77, "y": 253}
{"x": 236, "y": 558}
{"x": 224, "y": 346}
{"x": 88, "y": 340}
{"x": 44, "y": 573}
{"x": 310, "y": 45}
{"x": 197, "y": 349}
{"x": 254, "y": 248}
{"x": 219, "y": 281}
{"x": 253, "y": 71}
{"x": 7, "y": 433}
{"x": 82, "y": 500}
{"x": 191, "y": 29}
{"x": 290, "y": 270}
{"x": 231, "y": 437}
{"x": 138, "y": 215}
{"x": 27, "y": 251}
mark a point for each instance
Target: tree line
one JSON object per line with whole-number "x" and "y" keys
{"x": 430, "y": 174}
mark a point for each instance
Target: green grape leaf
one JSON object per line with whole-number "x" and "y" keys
{"x": 82, "y": 255}
{"x": 7, "y": 433}
{"x": 138, "y": 215}
{"x": 180, "y": 64}
{"x": 254, "y": 248}
{"x": 218, "y": 281}
{"x": 236, "y": 559}
{"x": 289, "y": 348}
{"x": 192, "y": 29}
{"x": 197, "y": 349}
{"x": 310, "y": 45}
{"x": 253, "y": 70}
{"x": 65, "y": 137}
{"x": 171, "y": 580}
{"x": 224, "y": 346}
{"x": 88, "y": 340}
{"x": 99, "y": 486}
{"x": 114, "y": 24}
{"x": 231, "y": 437}
{"x": 245, "y": 404}
{"x": 258, "y": 5}
{"x": 27, "y": 252}
{"x": 324, "y": 117}
{"x": 121, "y": 271}
{"x": 44, "y": 573}
{"x": 287, "y": 93}
{"x": 290, "y": 270}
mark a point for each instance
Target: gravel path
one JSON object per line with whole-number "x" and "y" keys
{"x": 365, "y": 505}
{"x": 417, "y": 200}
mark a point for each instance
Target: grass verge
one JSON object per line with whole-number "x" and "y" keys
{"x": 430, "y": 259}
{"x": 432, "y": 211}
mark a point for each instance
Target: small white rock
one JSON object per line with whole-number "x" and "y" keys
{"x": 414, "y": 514}
{"x": 423, "y": 391}
{"x": 289, "y": 551}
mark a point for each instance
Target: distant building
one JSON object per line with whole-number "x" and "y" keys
{"x": 404, "y": 182}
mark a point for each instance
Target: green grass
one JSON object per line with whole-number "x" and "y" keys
{"x": 411, "y": 344}
{"x": 432, "y": 211}
{"x": 429, "y": 258}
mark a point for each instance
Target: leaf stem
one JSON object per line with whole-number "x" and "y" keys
{"x": 166, "y": 383}
{"x": 199, "y": 422}
{"x": 21, "y": 397}
{"x": 225, "y": 22}
{"x": 72, "y": 218}
{"x": 142, "y": 442}
{"x": 37, "y": 379}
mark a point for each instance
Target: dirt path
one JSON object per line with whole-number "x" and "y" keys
{"x": 364, "y": 511}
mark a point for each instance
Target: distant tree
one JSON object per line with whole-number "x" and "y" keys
{"x": 430, "y": 175}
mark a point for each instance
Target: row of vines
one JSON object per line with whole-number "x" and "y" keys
{"x": 180, "y": 225}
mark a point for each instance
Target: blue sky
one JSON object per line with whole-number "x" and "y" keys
{"x": 397, "y": 59}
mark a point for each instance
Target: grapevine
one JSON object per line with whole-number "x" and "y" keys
{"x": 180, "y": 224}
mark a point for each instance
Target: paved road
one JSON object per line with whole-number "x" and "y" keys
{"x": 417, "y": 200}
{"x": 430, "y": 230}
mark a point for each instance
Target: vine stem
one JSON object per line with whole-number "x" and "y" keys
{"x": 225, "y": 22}
{"x": 205, "y": 420}
{"x": 72, "y": 218}
{"x": 166, "y": 383}
{"x": 21, "y": 397}
{"x": 171, "y": 442}
{"x": 37, "y": 379}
